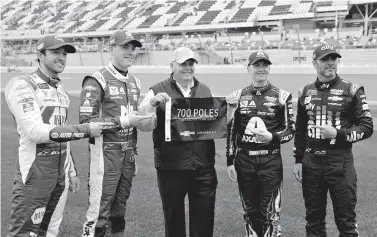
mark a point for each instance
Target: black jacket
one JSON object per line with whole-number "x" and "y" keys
{"x": 180, "y": 155}
{"x": 274, "y": 107}
{"x": 339, "y": 103}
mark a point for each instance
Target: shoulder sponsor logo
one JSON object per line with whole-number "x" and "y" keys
{"x": 311, "y": 92}
{"x": 335, "y": 98}
{"x": 132, "y": 85}
{"x": 86, "y": 109}
{"x": 354, "y": 88}
{"x": 25, "y": 100}
{"x": 43, "y": 85}
{"x": 114, "y": 90}
{"x": 365, "y": 107}
{"x": 38, "y": 214}
{"x": 99, "y": 77}
{"x": 270, "y": 98}
{"x": 28, "y": 107}
{"x": 345, "y": 81}
{"x": 336, "y": 91}
{"x": 283, "y": 95}
{"x": 308, "y": 99}
{"x": 22, "y": 86}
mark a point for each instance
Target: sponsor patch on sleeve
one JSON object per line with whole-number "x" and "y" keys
{"x": 28, "y": 107}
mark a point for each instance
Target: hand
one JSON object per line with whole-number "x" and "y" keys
{"x": 97, "y": 127}
{"x": 297, "y": 171}
{"x": 160, "y": 98}
{"x": 232, "y": 100}
{"x": 262, "y": 135}
{"x": 137, "y": 120}
{"x": 327, "y": 131}
{"x": 74, "y": 184}
{"x": 136, "y": 167}
{"x": 232, "y": 174}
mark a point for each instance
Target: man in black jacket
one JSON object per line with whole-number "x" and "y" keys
{"x": 263, "y": 119}
{"x": 182, "y": 167}
{"x": 332, "y": 113}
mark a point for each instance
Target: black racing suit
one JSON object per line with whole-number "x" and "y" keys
{"x": 327, "y": 164}
{"x": 109, "y": 95}
{"x": 259, "y": 165}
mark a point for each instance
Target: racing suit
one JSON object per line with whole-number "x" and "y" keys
{"x": 327, "y": 164}
{"x": 259, "y": 165}
{"x": 108, "y": 95}
{"x": 39, "y": 105}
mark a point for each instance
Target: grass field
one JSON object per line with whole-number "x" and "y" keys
{"x": 144, "y": 212}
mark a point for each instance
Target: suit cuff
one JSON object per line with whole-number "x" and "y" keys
{"x": 230, "y": 160}
{"x": 341, "y": 134}
{"x": 124, "y": 121}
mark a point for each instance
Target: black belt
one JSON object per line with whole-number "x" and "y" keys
{"x": 260, "y": 152}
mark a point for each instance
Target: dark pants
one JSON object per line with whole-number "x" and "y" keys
{"x": 110, "y": 185}
{"x": 200, "y": 185}
{"x": 260, "y": 183}
{"x": 333, "y": 172}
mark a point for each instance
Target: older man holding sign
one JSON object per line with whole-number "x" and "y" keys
{"x": 188, "y": 119}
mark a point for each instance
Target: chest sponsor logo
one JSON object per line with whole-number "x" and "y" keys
{"x": 310, "y": 106}
{"x": 335, "y": 98}
{"x": 336, "y": 91}
{"x": 114, "y": 90}
{"x": 265, "y": 113}
{"x": 86, "y": 109}
{"x": 311, "y": 92}
{"x": 116, "y": 97}
{"x": 108, "y": 146}
{"x": 247, "y": 103}
{"x": 250, "y": 139}
{"x": 365, "y": 107}
{"x": 121, "y": 90}
{"x": 86, "y": 102}
{"x": 269, "y": 104}
{"x": 270, "y": 98}
{"x": 334, "y": 104}
{"x": 88, "y": 94}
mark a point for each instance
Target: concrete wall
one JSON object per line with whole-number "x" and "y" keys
{"x": 278, "y": 57}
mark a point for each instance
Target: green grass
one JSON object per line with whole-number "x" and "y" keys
{"x": 144, "y": 211}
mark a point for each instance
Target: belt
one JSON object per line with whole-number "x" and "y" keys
{"x": 124, "y": 146}
{"x": 261, "y": 152}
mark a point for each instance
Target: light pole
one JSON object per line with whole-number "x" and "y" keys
{"x": 261, "y": 35}
{"x": 299, "y": 45}
{"x": 230, "y": 47}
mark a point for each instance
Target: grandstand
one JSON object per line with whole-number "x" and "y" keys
{"x": 215, "y": 28}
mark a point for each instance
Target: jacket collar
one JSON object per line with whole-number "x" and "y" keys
{"x": 116, "y": 73}
{"x": 326, "y": 85}
{"x": 49, "y": 80}
{"x": 259, "y": 90}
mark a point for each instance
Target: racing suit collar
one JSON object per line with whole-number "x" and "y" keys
{"x": 118, "y": 74}
{"x": 49, "y": 80}
{"x": 259, "y": 90}
{"x": 326, "y": 85}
